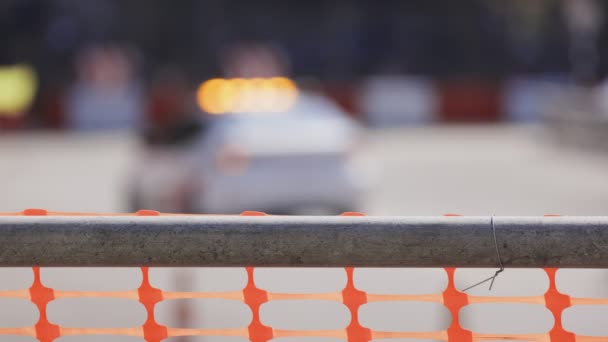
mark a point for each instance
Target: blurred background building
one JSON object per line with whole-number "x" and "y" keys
{"x": 475, "y": 60}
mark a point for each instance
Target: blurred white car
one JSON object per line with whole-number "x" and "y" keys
{"x": 301, "y": 161}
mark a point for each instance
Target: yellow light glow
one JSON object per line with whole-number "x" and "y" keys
{"x": 18, "y": 85}
{"x": 241, "y": 95}
{"x": 227, "y": 96}
{"x": 266, "y": 103}
{"x": 283, "y": 83}
{"x": 207, "y": 96}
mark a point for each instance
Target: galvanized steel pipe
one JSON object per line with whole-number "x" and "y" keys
{"x": 304, "y": 241}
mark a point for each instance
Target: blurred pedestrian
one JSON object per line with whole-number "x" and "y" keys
{"x": 106, "y": 94}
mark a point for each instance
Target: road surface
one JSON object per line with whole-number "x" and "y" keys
{"x": 471, "y": 170}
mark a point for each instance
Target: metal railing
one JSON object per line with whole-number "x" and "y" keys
{"x": 556, "y": 241}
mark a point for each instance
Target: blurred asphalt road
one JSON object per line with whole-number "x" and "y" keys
{"x": 471, "y": 170}
{"x": 481, "y": 170}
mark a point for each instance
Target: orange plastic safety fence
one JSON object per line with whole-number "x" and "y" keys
{"x": 254, "y": 298}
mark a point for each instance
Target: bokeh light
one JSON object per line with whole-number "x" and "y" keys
{"x": 18, "y": 84}
{"x": 247, "y": 95}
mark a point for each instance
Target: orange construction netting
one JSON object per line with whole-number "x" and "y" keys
{"x": 254, "y": 297}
